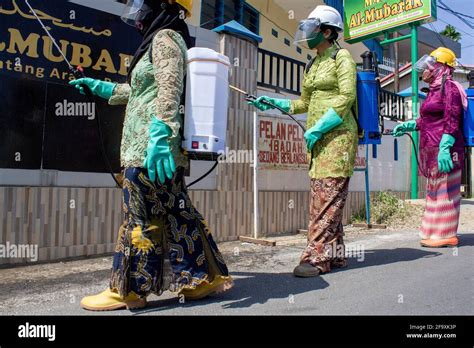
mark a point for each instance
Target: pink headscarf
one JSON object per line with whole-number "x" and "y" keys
{"x": 439, "y": 70}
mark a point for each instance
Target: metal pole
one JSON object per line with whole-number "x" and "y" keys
{"x": 396, "y": 78}
{"x": 367, "y": 188}
{"x": 414, "y": 84}
{"x": 400, "y": 38}
{"x": 255, "y": 177}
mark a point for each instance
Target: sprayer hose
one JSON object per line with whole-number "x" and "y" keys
{"x": 204, "y": 176}
{"x": 416, "y": 154}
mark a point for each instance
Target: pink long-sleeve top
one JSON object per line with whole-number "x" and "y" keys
{"x": 441, "y": 113}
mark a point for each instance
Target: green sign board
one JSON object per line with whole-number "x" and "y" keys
{"x": 364, "y": 19}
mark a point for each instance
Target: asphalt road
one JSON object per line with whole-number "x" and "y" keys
{"x": 394, "y": 276}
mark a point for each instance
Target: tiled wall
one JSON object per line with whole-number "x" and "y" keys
{"x": 74, "y": 222}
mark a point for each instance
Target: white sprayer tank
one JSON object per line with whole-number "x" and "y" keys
{"x": 207, "y": 97}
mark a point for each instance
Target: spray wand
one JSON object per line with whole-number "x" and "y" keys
{"x": 390, "y": 132}
{"x": 251, "y": 98}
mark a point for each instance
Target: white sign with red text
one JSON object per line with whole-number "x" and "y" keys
{"x": 281, "y": 144}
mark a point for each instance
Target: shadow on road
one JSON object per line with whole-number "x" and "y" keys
{"x": 252, "y": 288}
{"x": 380, "y": 257}
{"x": 258, "y": 288}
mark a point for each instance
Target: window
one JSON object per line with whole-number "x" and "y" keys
{"x": 274, "y": 33}
{"x": 209, "y": 14}
{"x": 231, "y": 10}
{"x": 299, "y": 50}
{"x": 217, "y": 12}
{"x": 287, "y": 42}
{"x": 251, "y": 18}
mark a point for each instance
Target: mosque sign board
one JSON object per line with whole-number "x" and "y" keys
{"x": 365, "y": 19}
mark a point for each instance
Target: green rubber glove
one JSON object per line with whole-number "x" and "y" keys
{"x": 329, "y": 121}
{"x": 405, "y": 127}
{"x": 445, "y": 162}
{"x": 100, "y": 88}
{"x": 285, "y": 104}
{"x": 158, "y": 158}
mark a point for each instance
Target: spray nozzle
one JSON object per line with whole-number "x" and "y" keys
{"x": 251, "y": 98}
{"x": 79, "y": 72}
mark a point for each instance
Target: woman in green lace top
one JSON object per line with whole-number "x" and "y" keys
{"x": 161, "y": 224}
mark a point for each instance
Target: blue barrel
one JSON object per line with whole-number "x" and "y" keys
{"x": 367, "y": 98}
{"x": 469, "y": 119}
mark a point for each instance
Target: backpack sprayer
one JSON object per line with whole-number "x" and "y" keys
{"x": 370, "y": 121}
{"x": 206, "y": 107}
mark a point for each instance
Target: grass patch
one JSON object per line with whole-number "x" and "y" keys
{"x": 386, "y": 208}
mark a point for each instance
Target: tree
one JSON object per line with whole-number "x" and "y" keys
{"x": 451, "y": 32}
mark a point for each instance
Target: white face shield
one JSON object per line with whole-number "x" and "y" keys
{"x": 426, "y": 62}
{"x": 134, "y": 11}
{"x": 307, "y": 33}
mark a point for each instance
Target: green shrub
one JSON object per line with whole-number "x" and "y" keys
{"x": 359, "y": 216}
{"x": 384, "y": 206}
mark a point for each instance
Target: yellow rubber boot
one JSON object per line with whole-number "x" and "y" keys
{"x": 219, "y": 285}
{"x": 109, "y": 301}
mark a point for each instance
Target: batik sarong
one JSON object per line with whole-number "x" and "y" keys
{"x": 325, "y": 247}
{"x": 162, "y": 224}
{"x": 443, "y": 204}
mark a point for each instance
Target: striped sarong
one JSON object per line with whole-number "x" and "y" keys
{"x": 443, "y": 204}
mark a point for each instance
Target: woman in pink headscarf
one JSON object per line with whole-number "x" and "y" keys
{"x": 441, "y": 147}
